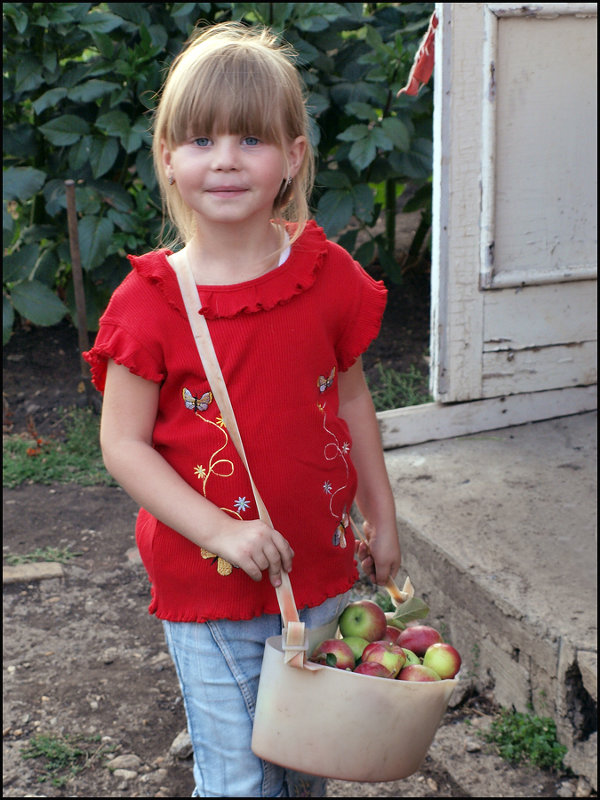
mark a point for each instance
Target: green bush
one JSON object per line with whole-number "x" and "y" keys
{"x": 522, "y": 738}
{"x": 80, "y": 81}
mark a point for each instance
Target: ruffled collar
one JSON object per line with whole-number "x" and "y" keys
{"x": 297, "y": 274}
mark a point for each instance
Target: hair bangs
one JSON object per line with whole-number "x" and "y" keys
{"x": 231, "y": 93}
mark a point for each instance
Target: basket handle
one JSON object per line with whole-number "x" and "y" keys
{"x": 294, "y": 643}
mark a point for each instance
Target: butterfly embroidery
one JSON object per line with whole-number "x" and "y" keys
{"x": 324, "y": 383}
{"x": 339, "y": 537}
{"x": 223, "y": 567}
{"x": 197, "y": 403}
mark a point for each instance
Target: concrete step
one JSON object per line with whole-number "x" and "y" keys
{"x": 498, "y": 532}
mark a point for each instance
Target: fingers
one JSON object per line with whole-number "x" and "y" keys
{"x": 259, "y": 548}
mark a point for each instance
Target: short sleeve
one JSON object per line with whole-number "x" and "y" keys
{"x": 366, "y": 299}
{"x": 126, "y": 335}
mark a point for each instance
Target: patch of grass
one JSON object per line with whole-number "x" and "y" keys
{"x": 522, "y": 738}
{"x": 77, "y": 459}
{"x": 61, "y": 757}
{"x": 60, "y": 554}
{"x": 393, "y": 389}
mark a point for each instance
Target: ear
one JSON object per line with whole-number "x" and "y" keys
{"x": 295, "y": 154}
{"x": 166, "y": 155}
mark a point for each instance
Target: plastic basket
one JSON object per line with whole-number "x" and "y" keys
{"x": 343, "y": 725}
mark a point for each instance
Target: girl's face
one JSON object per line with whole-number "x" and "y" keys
{"x": 229, "y": 178}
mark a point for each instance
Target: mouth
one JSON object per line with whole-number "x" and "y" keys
{"x": 226, "y": 190}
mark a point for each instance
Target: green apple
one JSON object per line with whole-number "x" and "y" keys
{"x": 443, "y": 658}
{"x": 356, "y": 644}
{"x": 364, "y": 619}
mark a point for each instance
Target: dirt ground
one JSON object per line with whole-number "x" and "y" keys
{"x": 83, "y": 658}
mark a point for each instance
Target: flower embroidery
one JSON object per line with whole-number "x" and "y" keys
{"x": 200, "y": 472}
{"x": 242, "y": 504}
{"x": 327, "y": 488}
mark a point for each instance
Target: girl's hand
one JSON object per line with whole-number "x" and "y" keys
{"x": 254, "y": 547}
{"x": 381, "y": 558}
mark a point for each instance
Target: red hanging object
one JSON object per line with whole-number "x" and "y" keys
{"x": 422, "y": 67}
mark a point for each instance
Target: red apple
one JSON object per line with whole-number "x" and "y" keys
{"x": 418, "y": 672}
{"x": 418, "y": 638}
{"x": 363, "y": 618}
{"x": 374, "y": 669}
{"x": 390, "y": 655}
{"x": 391, "y": 634}
{"x": 332, "y": 649}
{"x": 443, "y": 658}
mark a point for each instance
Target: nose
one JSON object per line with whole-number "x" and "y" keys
{"x": 226, "y": 153}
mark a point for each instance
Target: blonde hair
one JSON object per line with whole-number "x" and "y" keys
{"x": 233, "y": 79}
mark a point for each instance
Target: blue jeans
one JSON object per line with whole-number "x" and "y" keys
{"x": 218, "y": 665}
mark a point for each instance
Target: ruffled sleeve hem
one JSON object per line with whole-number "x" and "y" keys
{"x": 276, "y": 287}
{"x": 365, "y": 324}
{"x": 117, "y": 344}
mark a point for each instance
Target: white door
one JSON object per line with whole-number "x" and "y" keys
{"x": 514, "y": 265}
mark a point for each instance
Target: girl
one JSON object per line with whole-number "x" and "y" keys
{"x": 290, "y": 314}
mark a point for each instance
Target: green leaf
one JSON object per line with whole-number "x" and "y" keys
{"x": 364, "y": 201}
{"x": 49, "y": 99}
{"x": 334, "y": 210}
{"x": 19, "y": 265}
{"x": 91, "y": 90}
{"x": 66, "y": 129}
{"x": 103, "y": 154}
{"x": 390, "y": 265}
{"x": 333, "y": 179}
{"x": 95, "y": 235}
{"x": 37, "y": 303}
{"x": 100, "y": 22}
{"x": 365, "y": 253}
{"x": 354, "y": 133}
{"x": 362, "y": 153}
{"x": 397, "y": 131}
{"x": 114, "y": 123}
{"x": 8, "y": 318}
{"x": 145, "y": 168}
{"x": 29, "y": 74}
{"x": 21, "y": 183}
{"x": 411, "y": 609}
{"x": 362, "y": 110}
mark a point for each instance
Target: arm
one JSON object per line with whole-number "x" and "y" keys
{"x": 128, "y": 416}
{"x": 374, "y": 496}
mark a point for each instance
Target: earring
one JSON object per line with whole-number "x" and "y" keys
{"x": 289, "y": 181}
{"x": 171, "y": 180}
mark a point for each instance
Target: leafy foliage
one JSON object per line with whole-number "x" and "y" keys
{"x": 80, "y": 84}
{"x": 522, "y": 737}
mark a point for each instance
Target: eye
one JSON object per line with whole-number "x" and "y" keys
{"x": 252, "y": 141}
{"x": 202, "y": 141}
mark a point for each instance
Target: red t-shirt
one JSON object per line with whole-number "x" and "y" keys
{"x": 281, "y": 340}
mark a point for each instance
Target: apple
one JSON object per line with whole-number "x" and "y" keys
{"x": 373, "y": 668}
{"x": 356, "y": 644}
{"x": 443, "y": 659}
{"x": 418, "y": 638}
{"x": 418, "y": 672}
{"x": 411, "y": 658}
{"x": 363, "y": 618}
{"x": 391, "y": 634}
{"x": 332, "y": 649}
{"x": 387, "y": 653}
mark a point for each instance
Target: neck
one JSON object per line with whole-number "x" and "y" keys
{"x": 220, "y": 256}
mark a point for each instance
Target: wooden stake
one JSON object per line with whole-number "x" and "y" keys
{"x": 78, "y": 285}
